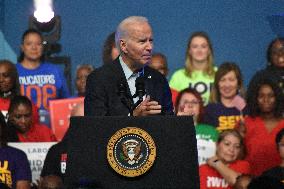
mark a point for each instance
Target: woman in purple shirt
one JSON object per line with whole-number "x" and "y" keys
{"x": 14, "y": 166}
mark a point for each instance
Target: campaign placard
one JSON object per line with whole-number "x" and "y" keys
{"x": 60, "y": 112}
{"x": 206, "y": 137}
{"x": 36, "y": 153}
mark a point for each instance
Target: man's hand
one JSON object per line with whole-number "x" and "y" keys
{"x": 147, "y": 107}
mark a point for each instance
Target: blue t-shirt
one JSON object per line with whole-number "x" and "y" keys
{"x": 42, "y": 84}
{"x": 222, "y": 117}
{"x": 14, "y": 166}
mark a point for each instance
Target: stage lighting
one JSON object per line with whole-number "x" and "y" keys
{"x": 45, "y": 21}
{"x": 43, "y": 10}
{"x": 50, "y": 30}
{"x": 48, "y": 24}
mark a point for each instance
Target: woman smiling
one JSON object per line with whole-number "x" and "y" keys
{"x": 223, "y": 169}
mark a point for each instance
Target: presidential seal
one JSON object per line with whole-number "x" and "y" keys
{"x": 131, "y": 151}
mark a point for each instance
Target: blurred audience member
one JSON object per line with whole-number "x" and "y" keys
{"x": 9, "y": 84}
{"x": 10, "y": 87}
{"x": 223, "y": 169}
{"x": 278, "y": 171}
{"x": 226, "y": 105}
{"x": 189, "y": 103}
{"x": 275, "y": 58}
{"x": 159, "y": 62}
{"x": 56, "y": 158}
{"x": 51, "y": 182}
{"x": 275, "y": 67}
{"x": 110, "y": 52}
{"x": 262, "y": 124}
{"x": 82, "y": 73}
{"x": 21, "y": 126}
{"x": 199, "y": 68}
{"x": 40, "y": 81}
{"x": 15, "y": 169}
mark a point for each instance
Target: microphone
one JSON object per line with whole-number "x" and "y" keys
{"x": 140, "y": 88}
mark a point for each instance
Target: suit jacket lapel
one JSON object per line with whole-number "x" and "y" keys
{"x": 121, "y": 77}
{"x": 148, "y": 84}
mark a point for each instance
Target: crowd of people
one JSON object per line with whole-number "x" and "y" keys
{"x": 247, "y": 125}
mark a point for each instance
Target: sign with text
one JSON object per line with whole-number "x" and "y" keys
{"x": 206, "y": 137}
{"x": 36, "y": 152}
{"x": 60, "y": 111}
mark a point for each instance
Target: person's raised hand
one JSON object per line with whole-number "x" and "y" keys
{"x": 147, "y": 107}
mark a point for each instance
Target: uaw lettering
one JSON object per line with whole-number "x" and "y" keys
{"x": 216, "y": 182}
{"x": 40, "y": 88}
{"x": 227, "y": 122}
{"x": 5, "y": 174}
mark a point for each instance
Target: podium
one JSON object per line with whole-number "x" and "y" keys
{"x": 175, "y": 165}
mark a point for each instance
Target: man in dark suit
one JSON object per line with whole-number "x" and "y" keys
{"x": 110, "y": 89}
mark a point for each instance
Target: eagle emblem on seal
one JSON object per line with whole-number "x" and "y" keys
{"x": 131, "y": 151}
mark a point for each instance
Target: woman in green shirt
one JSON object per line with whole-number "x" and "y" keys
{"x": 199, "y": 70}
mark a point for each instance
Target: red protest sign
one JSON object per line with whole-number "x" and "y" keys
{"x": 60, "y": 111}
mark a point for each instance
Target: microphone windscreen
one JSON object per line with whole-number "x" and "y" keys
{"x": 139, "y": 82}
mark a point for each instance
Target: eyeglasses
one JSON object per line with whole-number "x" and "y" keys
{"x": 192, "y": 103}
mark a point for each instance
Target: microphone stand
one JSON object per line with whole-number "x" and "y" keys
{"x": 140, "y": 90}
{"x": 125, "y": 99}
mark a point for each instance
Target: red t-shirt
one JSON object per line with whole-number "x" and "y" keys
{"x": 262, "y": 152}
{"x": 210, "y": 178}
{"x": 38, "y": 133}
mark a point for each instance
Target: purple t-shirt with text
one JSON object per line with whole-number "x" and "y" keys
{"x": 14, "y": 166}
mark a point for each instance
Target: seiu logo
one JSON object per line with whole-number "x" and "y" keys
{"x": 5, "y": 174}
{"x": 227, "y": 122}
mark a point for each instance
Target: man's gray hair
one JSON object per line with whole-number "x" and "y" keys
{"x": 122, "y": 30}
